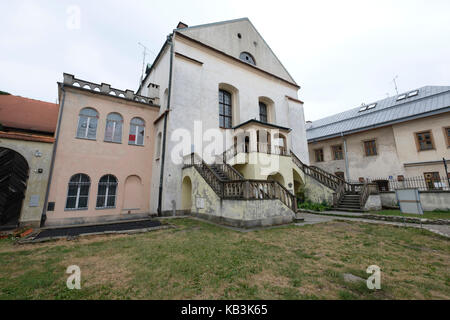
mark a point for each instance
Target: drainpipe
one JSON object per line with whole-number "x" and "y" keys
{"x": 52, "y": 163}
{"x": 346, "y": 157}
{"x": 163, "y": 152}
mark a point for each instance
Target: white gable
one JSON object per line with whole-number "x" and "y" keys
{"x": 224, "y": 36}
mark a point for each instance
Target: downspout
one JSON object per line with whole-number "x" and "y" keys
{"x": 346, "y": 157}
{"x": 52, "y": 163}
{"x": 163, "y": 152}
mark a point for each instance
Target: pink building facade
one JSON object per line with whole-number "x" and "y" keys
{"x": 102, "y": 165}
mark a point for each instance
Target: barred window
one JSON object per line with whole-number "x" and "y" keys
{"x": 113, "y": 130}
{"x": 137, "y": 132}
{"x": 262, "y": 112}
{"x": 106, "y": 195}
{"x": 225, "y": 113}
{"x": 319, "y": 155}
{"x": 78, "y": 192}
{"x": 87, "y": 124}
{"x": 424, "y": 140}
{"x": 337, "y": 152}
{"x": 370, "y": 148}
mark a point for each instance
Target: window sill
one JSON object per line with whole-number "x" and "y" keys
{"x": 105, "y": 208}
{"x": 432, "y": 149}
{"x": 75, "y": 209}
{"x": 136, "y": 145}
{"x": 112, "y": 142}
{"x": 90, "y": 139}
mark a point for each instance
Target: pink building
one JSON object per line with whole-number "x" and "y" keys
{"x": 104, "y": 148}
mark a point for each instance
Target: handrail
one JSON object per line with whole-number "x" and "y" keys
{"x": 239, "y": 187}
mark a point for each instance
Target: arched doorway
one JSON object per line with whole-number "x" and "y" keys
{"x": 276, "y": 177}
{"x": 13, "y": 184}
{"x": 186, "y": 194}
{"x": 298, "y": 186}
{"x": 133, "y": 194}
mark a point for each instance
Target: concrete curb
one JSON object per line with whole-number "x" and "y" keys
{"x": 399, "y": 219}
{"x": 68, "y": 238}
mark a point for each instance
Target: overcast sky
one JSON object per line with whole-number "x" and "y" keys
{"x": 341, "y": 53}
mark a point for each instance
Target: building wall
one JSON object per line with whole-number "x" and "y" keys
{"x": 396, "y": 147}
{"x": 195, "y": 98}
{"x": 37, "y": 182}
{"x": 405, "y": 139}
{"x": 97, "y": 158}
{"x": 386, "y": 163}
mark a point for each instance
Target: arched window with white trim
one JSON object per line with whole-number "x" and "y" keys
{"x": 113, "y": 129}
{"x": 137, "y": 132}
{"x": 87, "y": 124}
{"x": 107, "y": 192}
{"x": 78, "y": 192}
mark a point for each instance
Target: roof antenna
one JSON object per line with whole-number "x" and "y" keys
{"x": 395, "y": 83}
{"x": 143, "y": 61}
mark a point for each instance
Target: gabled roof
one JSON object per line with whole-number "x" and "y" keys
{"x": 216, "y": 35}
{"x": 428, "y": 101}
{"x": 28, "y": 114}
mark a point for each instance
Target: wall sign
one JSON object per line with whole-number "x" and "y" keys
{"x": 200, "y": 203}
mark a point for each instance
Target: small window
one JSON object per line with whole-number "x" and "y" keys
{"x": 113, "y": 130}
{"x": 262, "y": 112}
{"x": 338, "y": 154}
{"x": 106, "y": 195}
{"x": 319, "y": 155}
{"x": 137, "y": 132}
{"x": 364, "y": 108}
{"x": 413, "y": 93}
{"x": 247, "y": 57}
{"x": 225, "y": 109}
{"x": 370, "y": 148}
{"x": 424, "y": 141}
{"x": 87, "y": 124}
{"x": 78, "y": 192}
{"x": 371, "y": 106}
{"x": 433, "y": 180}
{"x": 447, "y": 136}
{"x": 401, "y": 97}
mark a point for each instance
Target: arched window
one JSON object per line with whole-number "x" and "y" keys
{"x": 225, "y": 107}
{"x": 113, "y": 130}
{"x": 106, "y": 195}
{"x": 78, "y": 192}
{"x": 158, "y": 146}
{"x": 137, "y": 132}
{"x": 87, "y": 124}
{"x": 247, "y": 57}
{"x": 262, "y": 112}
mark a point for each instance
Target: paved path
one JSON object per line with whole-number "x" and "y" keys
{"x": 443, "y": 230}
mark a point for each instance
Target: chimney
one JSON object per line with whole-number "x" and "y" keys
{"x": 182, "y": 25}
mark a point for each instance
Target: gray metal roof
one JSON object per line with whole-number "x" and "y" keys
{"x": 430, "y": 100}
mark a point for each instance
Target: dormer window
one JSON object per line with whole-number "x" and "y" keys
{"x": 413, "y": 94}
{"x": 247, "y": 57}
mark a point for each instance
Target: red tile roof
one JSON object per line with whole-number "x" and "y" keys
{"x": 28, "y": 114}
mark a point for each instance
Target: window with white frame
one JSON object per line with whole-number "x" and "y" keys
{"x": 107, "y": 192}
{"x": 137, "y": 132}
{"x": 78, "y": 192}
{"x": 113, "y": 130}
{"x": 87, "y": 124}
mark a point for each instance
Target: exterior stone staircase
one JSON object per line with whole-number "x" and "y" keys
{"x": 228, "y": 183}
{"x": 347, "y": 196}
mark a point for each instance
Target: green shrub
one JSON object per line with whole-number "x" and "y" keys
{"x": 309, "y": 205}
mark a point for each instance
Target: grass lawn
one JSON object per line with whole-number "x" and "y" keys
{"x": 197, "y": 260}
{"x": 426, "y": 214}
